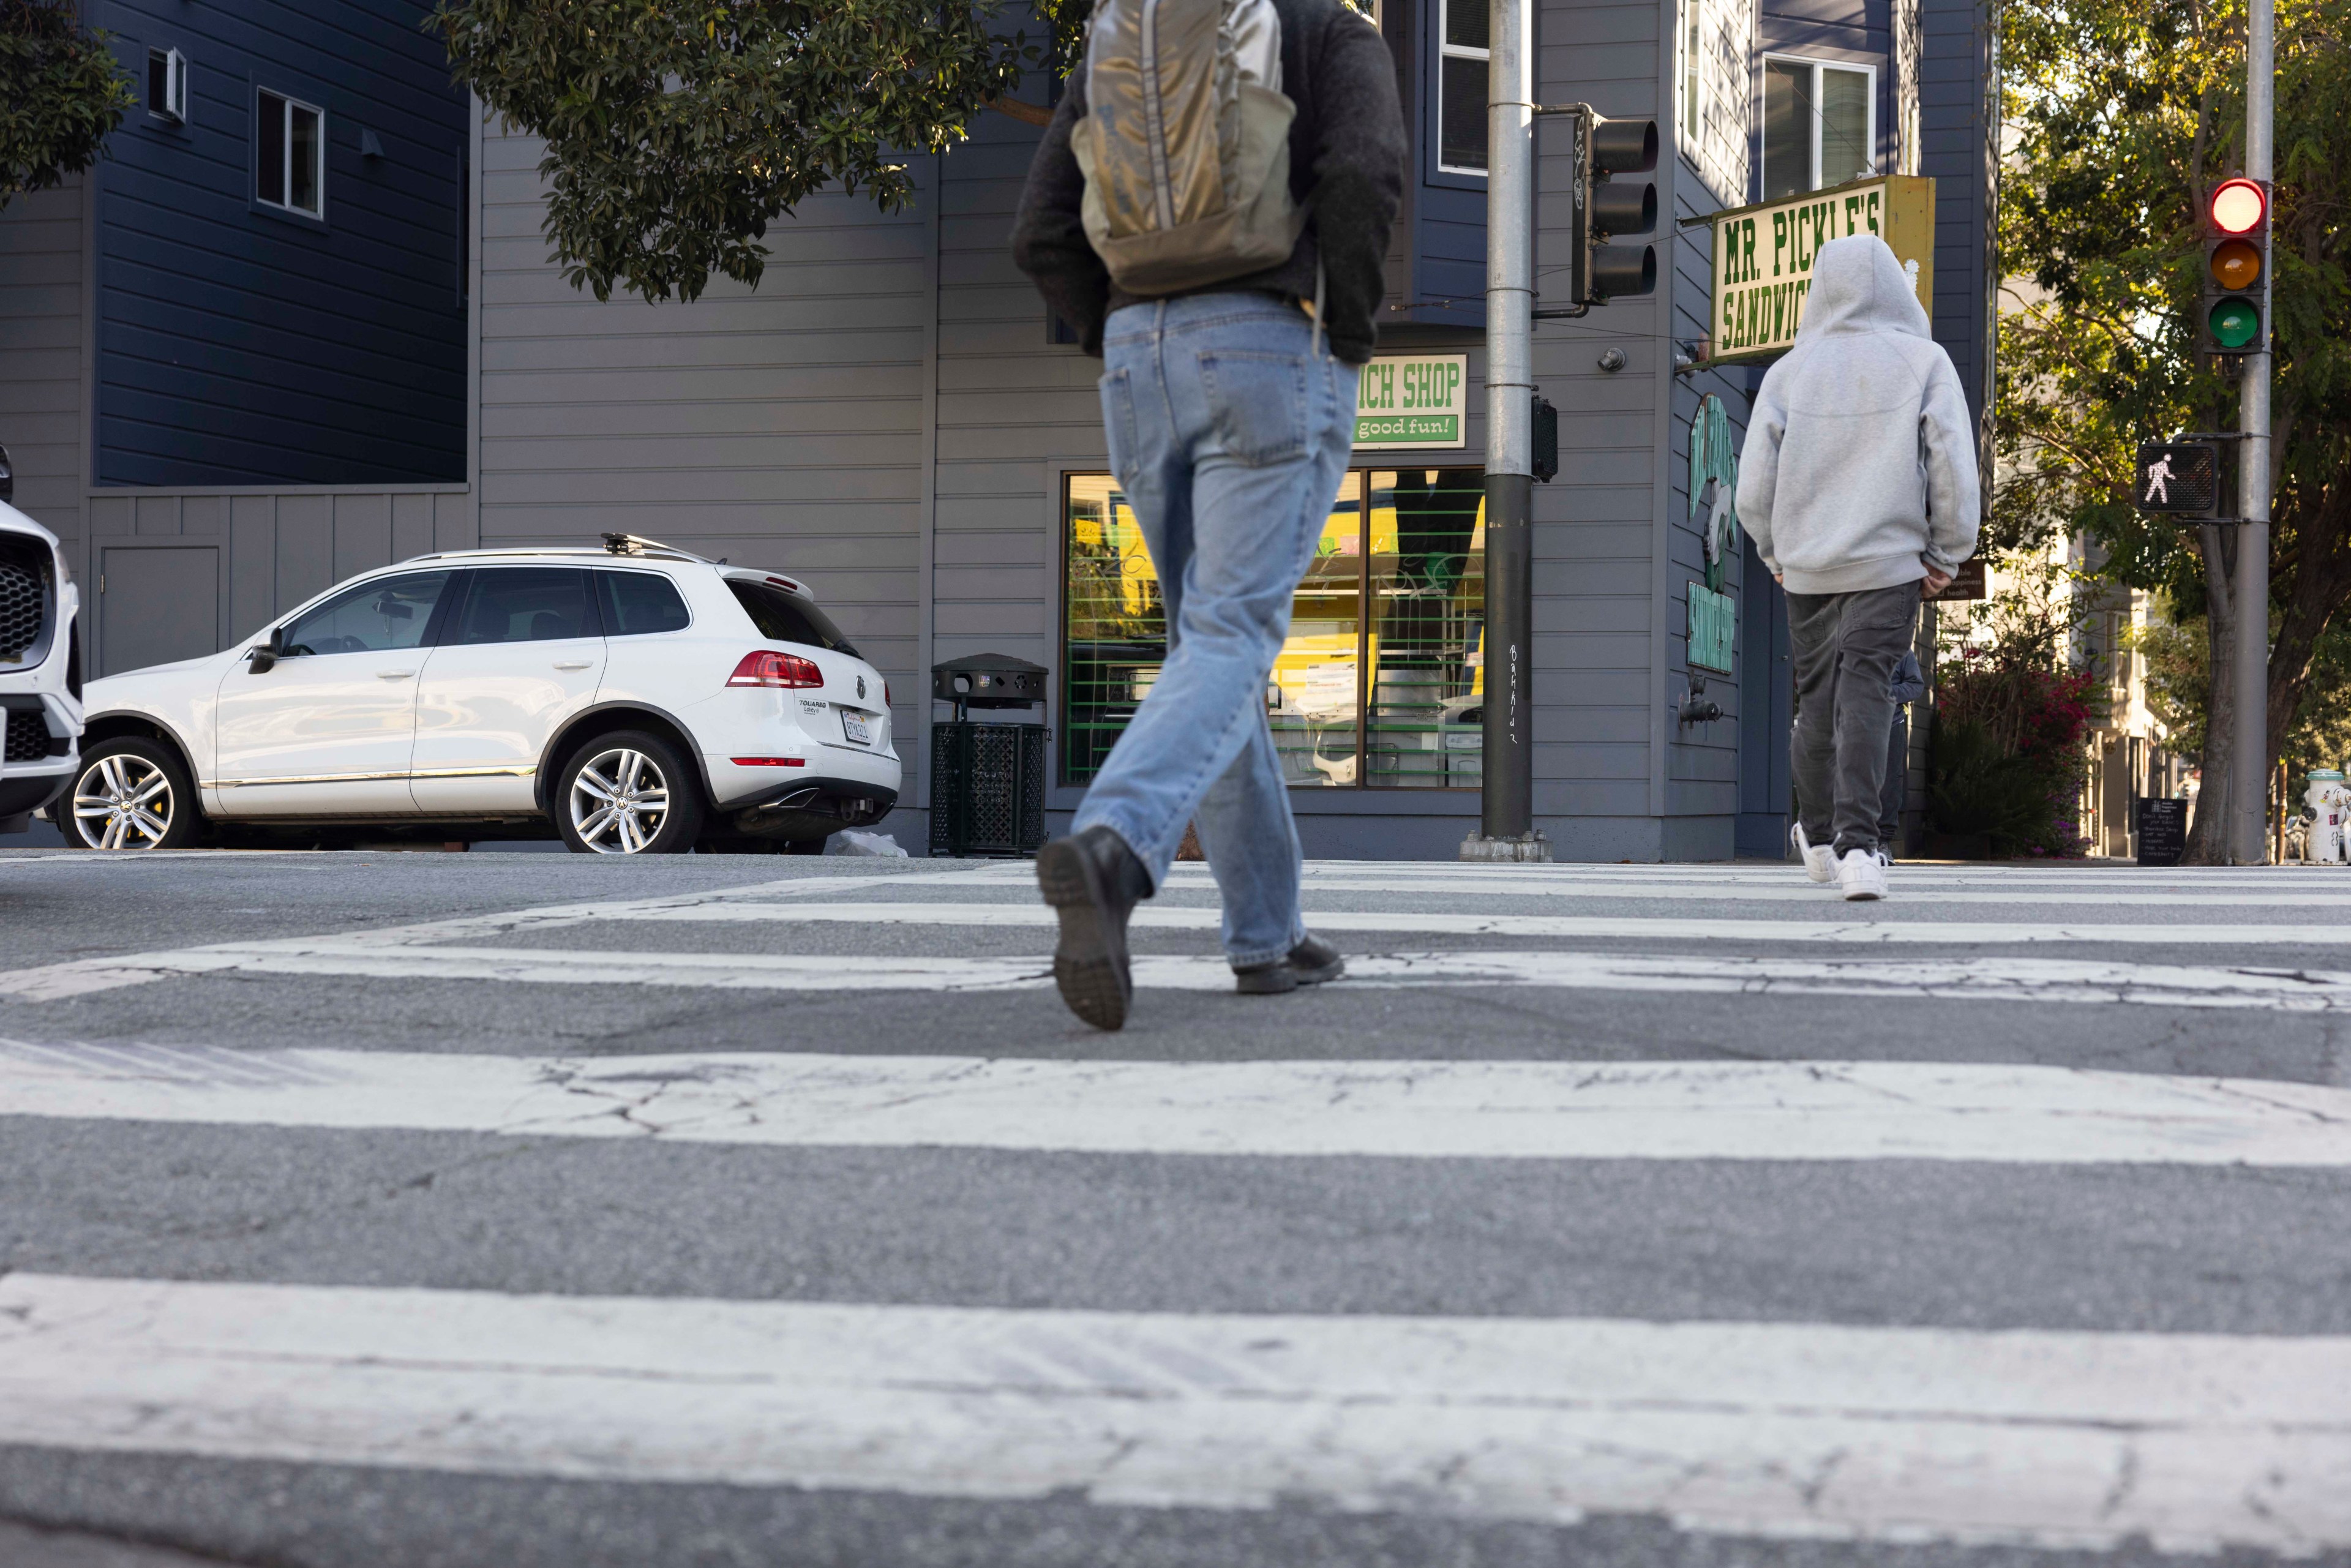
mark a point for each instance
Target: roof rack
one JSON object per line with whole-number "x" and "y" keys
{"x": 637, "y": 544}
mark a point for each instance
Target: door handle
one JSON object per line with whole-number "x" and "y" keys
{"x": 573, "y": 663}
{"x": 393, "y": 674}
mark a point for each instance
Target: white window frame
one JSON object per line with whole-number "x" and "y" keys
{"x": 1869, "y": 129}
{"x": 175, "y": 86}
{"x": 1693, "y": 91}
{"x": 288, "y": 103}
{"x": 1445, "y": 51}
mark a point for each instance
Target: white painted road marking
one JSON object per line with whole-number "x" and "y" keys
{"x": 2044, "y": 1439}
{"x": 1408, "y": 1110}
{"x": 1990, "y": 979}
{"x": 2101, "y": 893}
{"x": 52, "y": 982}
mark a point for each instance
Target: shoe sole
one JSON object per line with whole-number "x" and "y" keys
{"x": 1089, "y": 963}
{"x": 1861, "y": 895}
{"x": 1280, "y": 979}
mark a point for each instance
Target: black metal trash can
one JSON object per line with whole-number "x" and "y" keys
{"x": 987, "y": 789}
{"x": 987, "y": 780}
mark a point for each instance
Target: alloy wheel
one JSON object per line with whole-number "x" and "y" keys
{"x": 123, "y": 803}
{"x": 620, "y": 800}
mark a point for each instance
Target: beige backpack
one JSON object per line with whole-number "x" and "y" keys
{"x": 1185, "y": 142}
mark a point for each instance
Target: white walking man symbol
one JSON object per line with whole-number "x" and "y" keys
{"x": 2158, "y": 478}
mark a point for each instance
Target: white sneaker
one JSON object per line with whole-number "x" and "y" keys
{"x": 1820, "y": 862}
{"x": 1883, "y": 858}
{"x": 1862, "y": 875}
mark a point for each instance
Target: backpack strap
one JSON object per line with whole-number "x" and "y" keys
{"x": 1316, "y": 348}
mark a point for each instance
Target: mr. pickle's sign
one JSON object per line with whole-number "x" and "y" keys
{"x": 1764, "y": 257}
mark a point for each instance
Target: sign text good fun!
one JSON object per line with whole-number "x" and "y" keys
{"x": 1763, "y": 256}
{"x": 1412, "y": 400}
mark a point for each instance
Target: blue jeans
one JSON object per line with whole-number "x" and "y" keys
{"x": 1229, "y": 434}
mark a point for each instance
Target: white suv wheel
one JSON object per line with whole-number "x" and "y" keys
{"x": 619, "y": 800}
{"x": 125, "y": 797}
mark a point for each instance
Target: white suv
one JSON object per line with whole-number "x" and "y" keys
{"x": 642, "y": 699}
{"x": 40, "y": 665}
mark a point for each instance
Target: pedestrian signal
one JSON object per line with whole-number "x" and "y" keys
{"x": 2181, "y": 478}
{"x": 2234, "y": 304}
{"x": 1606, "y": 208}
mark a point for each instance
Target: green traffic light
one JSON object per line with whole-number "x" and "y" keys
{"x": 2235, "y": 323}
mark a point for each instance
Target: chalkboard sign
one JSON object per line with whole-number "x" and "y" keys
{"x": 2162, "y": 830}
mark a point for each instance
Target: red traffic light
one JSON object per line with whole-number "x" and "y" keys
{"x": 2239, "y": 206}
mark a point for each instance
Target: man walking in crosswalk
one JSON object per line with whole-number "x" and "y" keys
{"x": 1230, "y": 320}
{"x": 1858, "y": 483}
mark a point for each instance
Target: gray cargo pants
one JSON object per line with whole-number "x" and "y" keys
{"x": 1845, "y": 646}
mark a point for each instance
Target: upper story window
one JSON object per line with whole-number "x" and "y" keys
{"x": 289, "y": 165}
{"x": 1461, "y": 58}
{"x": 1817, "y": 126}
{"x": 167, "y": 84}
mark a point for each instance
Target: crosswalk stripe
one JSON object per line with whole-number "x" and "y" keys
{"x": 2045, "y": 1438}
{"x": 1854, "y": 927}
{"x": 1783, "y": 890}
{"x": 1841, "y": 1111}
{"x": 404, "y": 950}
{"x": 52, "y": 982}
{"x": 1988, "y": 978}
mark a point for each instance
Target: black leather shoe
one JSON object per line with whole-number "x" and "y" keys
{"x": 1093, "y": 882}
{"x": 1309, "y": 963}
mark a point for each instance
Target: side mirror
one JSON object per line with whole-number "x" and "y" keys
{"x": 260, "y": 659}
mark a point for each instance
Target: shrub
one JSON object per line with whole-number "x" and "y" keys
{"x": 2007, "y": 758}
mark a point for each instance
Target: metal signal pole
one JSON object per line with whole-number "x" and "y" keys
{"x": 2248, "y": 772}
{"x": 1508, "y": 776}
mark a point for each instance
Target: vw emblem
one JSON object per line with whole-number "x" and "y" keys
{"x": 860, "y": 685}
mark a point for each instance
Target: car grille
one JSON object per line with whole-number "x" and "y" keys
{"x": 28, "y": 736}
{"x": 22, "y": 601}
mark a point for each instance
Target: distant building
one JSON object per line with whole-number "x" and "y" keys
{"x": 244, "y": 392}
{"x": 237, "y": 349}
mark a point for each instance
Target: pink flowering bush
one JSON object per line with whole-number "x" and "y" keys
{"x": 2008, "y": 755}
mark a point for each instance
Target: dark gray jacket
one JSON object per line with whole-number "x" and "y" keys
{"x": 1347, "y": 151}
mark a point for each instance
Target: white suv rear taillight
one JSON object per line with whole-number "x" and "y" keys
{"x": 767, "y": 668}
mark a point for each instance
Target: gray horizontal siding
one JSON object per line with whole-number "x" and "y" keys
{"x": 41, "y": 414}
{"x": 781, "y": 426}
{"x": 272, "y": 549}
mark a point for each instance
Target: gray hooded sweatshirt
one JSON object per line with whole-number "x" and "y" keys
{"x": 1859, "y": 468}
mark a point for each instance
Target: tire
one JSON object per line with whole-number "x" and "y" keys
{"x": 112, "y": 803}
{"x": 660, "y": 802}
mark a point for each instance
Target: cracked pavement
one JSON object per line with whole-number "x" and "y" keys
{"x": 1978, "y": 1246}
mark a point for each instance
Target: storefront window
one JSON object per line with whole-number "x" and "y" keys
{"x": 1114, "y": 632}
{"x": 1428, "y": 580}
{"x": 1398, "y": 588}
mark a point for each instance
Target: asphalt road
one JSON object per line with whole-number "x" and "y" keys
{"x": 1606, "y": 1216}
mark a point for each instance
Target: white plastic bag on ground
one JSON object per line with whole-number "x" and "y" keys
{"x": 850, "y": 842}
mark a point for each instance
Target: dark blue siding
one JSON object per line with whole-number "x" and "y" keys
{"x": 1845, "y": 32}
{"x": 242, "y": 346}
{"x": 1956, "y": 109}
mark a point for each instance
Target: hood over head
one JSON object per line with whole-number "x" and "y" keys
{"x": 1858, "y": 287}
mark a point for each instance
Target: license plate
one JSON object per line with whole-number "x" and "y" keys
{"x": 854, "y": 727}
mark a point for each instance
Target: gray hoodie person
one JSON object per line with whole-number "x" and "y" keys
{"x": 1859, "y": 466}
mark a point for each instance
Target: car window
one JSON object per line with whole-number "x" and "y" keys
{"x": 373, "y": 618}
{"x": 784, "y": 617}
{"x": 526, "y": 604}
{"x": 639, "y": 602}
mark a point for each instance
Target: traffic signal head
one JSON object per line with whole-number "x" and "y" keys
{"x": 1607, "y": 207}
{"x": 2233, "y": 292}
